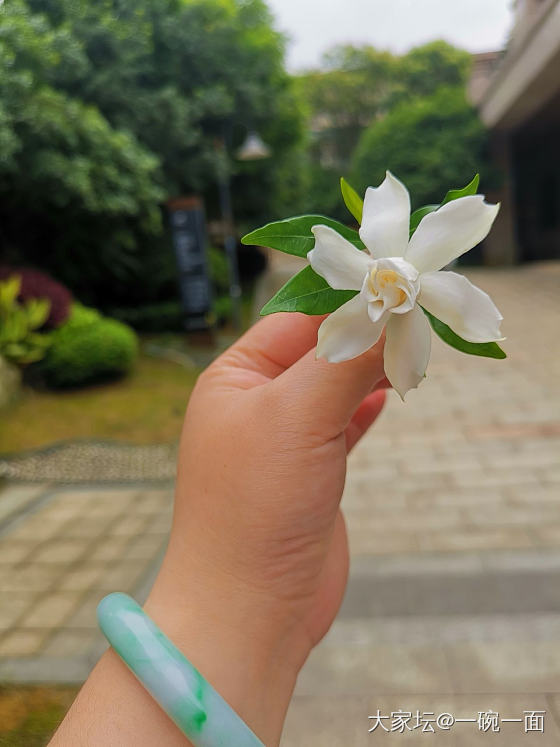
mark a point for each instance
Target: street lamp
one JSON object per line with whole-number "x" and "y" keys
{"x": 252, "y": 149}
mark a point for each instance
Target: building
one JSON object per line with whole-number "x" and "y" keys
{"x": 518, "y": 96}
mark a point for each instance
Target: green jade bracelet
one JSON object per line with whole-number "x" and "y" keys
{"x": 183, "y": 693}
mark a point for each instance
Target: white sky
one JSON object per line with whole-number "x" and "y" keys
{"x": 315, "y": 25}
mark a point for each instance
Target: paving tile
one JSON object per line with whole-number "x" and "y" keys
{"x": 60, "y": 551}
{"x": 13, "y": 606}
{"x": 480, "y": 538}
{"x": 67, "y": 643}
{"x": 12, "y": 552}
{"x": 109, "y": 548}
{"x": 121, "y": 576}
{"x": 505, "y": 667}
{"x": 82, "y": 578}
{"x": 21, "y": 643}
{"x": 15, "y": 498}
{"x": 51, "y": 611}
{"x": 30, "y": 577}
{"x": 354, "y": 670}
{"x": 144, "y": 548}
{"x": 85, "y": 617}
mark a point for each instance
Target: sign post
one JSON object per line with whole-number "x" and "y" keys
{"x": 186, "y": 216}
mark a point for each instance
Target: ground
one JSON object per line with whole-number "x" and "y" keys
{"x": 146, "y": 406}
{"x": 452, "y": 505}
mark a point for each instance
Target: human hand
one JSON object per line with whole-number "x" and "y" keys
{"x": 257, "y": 561}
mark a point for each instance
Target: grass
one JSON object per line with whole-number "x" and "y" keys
{"x": 145, "y": 407}
{"x": 30, "y": 715}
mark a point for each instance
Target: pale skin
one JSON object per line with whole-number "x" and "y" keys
{"x": 257, "y": 561}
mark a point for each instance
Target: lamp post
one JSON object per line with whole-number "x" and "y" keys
{"x": 252, "y": 149}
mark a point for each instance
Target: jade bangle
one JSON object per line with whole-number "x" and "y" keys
{"x": 183, "y": 693}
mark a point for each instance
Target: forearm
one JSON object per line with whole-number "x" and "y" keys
{"x": 249, "y": 670}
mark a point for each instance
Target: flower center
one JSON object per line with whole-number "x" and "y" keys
{"x": 383, "y": 280}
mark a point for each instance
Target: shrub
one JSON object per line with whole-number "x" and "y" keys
{"x": 431, "y": 144}
{"x": 89, "y": 347}
{"x": 36, "y": 284}
{"x": 19, "y": 342}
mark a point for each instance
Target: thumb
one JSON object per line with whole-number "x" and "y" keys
{"x": 328, "y": 394}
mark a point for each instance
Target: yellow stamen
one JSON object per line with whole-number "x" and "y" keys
{"x": 385, "y": 278}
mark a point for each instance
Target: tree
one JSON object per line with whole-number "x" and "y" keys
{"x": 182, "y": 74}
{"x": 431, "y": 144}
{"x": 356, "y": 88}
{"x": 111, "y": 107}
{"x": 73, "y": 190}
{"x": 426, "y": 69}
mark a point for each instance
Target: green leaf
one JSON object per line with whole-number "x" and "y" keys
{"x": 307, "y": 293}
{"x": 417, "y": 216}
{"x": 352, "y": 199}
{"x": 452, "y": 194}
{"x": 293, "y": 235}
{"x": 486, "y": 349}
{"x": 470, "y": 189}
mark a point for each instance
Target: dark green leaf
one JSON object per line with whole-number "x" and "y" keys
{"x": 293, "y": 235}
{"x": 417, "y": 216}
{"x": 352, "y": 199}
{"x": 308, "y": 293}
{"x": 486, "y": 349}
{"x": 452, "y": 194}
{"x": 470, "y": 189}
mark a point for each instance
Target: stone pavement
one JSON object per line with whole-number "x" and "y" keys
{"x": 453, "y": 511}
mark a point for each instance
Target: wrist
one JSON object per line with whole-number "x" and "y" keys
{"x": 229, "y": 636}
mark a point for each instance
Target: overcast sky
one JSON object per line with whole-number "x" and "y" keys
{"x": 315, "y": 25}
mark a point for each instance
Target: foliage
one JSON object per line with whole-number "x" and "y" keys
{"x": 426, "y": 69}
{"x": 356, "y": 88}
{"x": 294, "y": 235}
{"x": 147, "y": 406}
{"x": 76, "y": 194}
{"x": 111, "y": 107}
{"x": 88, "y": 347}
{"x": 309, "y": 293}
{"x": 168, "y": 316}
{"x": 36, "y": 284}
{"x": 485, "y": 349}
{"x": 19, "y": 340}
{"x": 352, "y": 89}
{"x": 428, "y": 143}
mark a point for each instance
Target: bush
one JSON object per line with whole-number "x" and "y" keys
{"x": 36, "y": 284}
{"x": 166, "y": 316}
{"x": 87, "y": 348}
{"x": 432, "y": 144}
{"x": 20, "y": 343}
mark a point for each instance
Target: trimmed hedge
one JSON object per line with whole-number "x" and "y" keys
{"x": 87, "y": 348}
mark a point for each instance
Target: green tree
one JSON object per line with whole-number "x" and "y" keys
{"x": 431, "y": 144}
{"x": 111, "y": 107}
{"x": 426, "y": 69}
{"x": 182, "y": 74}
{"x": 73, "y": 190}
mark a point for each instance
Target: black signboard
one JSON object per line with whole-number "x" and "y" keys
{"x": 189, "y": 241}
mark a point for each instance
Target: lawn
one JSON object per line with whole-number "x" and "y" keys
{"x": 145, "y": 407}
{"x": 30, "y": 715}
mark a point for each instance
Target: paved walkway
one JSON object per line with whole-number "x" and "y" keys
{"x": 453, "y": 510}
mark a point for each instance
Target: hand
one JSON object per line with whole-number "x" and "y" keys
{"x": 258, "y": 552}
{"x": 257, "y": 561}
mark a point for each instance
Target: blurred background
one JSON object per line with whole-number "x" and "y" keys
{"x": 138, "y": 143}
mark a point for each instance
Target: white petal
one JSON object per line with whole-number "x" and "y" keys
{"x": 449, "y": 232}
{"x": 453, "y": 299}
{"x": 337, "y": 260}
{"x": 348, "y": 332}
{"x": 407, "y": 349}
{"x": 386, "y": 218}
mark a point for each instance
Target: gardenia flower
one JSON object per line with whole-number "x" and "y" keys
{"x": 397, "y": 276}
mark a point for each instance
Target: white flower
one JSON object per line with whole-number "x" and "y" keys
{"x": 397, "y": 276}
